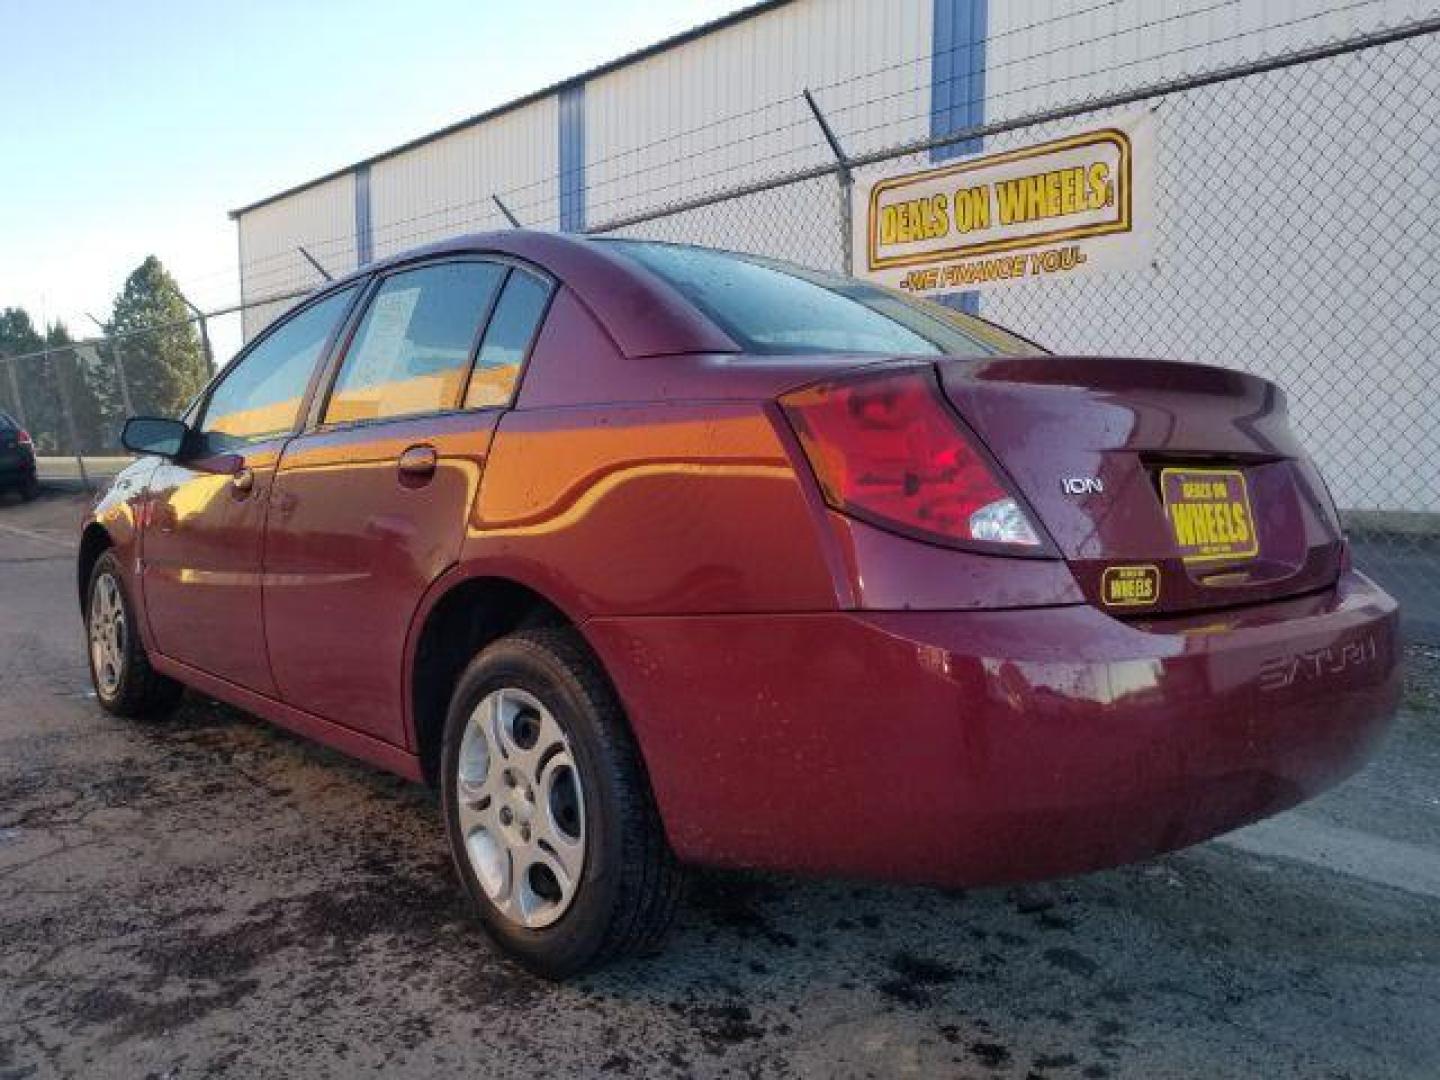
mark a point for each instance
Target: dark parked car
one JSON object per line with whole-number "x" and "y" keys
{"x": 651, "y": 555}
{"x": 17, "y": 459}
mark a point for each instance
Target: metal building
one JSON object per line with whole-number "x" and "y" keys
{"x": 715, "y": 108}
{"x": 712, "y": 106}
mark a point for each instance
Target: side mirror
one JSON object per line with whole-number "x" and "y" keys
{"x": 153, "y": 435}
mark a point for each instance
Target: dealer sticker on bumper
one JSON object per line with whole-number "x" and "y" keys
{"x": 1209, "y": 513}
{"x": 1130, "y": 586}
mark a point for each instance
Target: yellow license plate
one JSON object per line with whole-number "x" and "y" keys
{"x": 1209, "y": 513}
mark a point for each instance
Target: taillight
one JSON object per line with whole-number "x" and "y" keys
{"x": 890, "y": 451}
{"x": 24, "y": 438}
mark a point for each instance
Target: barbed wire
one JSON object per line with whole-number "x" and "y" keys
{"x": 284, "y": 265}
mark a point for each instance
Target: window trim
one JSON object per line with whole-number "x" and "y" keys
{"x": 315, "y": 413}
{"x": 201, "y": 407}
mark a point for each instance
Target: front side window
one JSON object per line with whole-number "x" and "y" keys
{"x": 507, "y": 341}
{"x": 260, "y": 397}
{"x": 772, "y": 307}
{"x": 412, "y": 350}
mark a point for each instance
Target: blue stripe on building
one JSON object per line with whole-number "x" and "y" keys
{"x": 364, "y": 229}
{"x": 572, "y": 158}
{"x": 957, "y": 89}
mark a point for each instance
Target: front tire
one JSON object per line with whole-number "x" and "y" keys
{"x": 548, "y": 812}
{"x": 124, "y": 681}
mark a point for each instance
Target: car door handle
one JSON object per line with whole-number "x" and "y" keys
{"x": 418, "y": 462}
{"x": 243, "y": 481}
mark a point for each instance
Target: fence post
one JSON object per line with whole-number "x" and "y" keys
{"x": 511, "y": 218}
{"x": 125, "y": 400}
{"x": 11, "y": 364}
{"x": 205, "y": 341}
{"x": 847, "y": 185}
{"x": 63, "y": 383}
{"x": 205, "y": 329}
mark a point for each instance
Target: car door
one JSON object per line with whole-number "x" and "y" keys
{"x": 370, "y": 504}
{"x": 206, "y": 509}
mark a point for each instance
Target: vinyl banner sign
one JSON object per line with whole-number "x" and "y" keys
{"x": 1074, "y": 205}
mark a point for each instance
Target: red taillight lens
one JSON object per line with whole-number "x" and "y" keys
{"x": 889, "y": 450}
{"x": 24, "y": 438}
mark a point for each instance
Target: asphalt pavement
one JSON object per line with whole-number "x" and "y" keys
{"x": 211, "y": 897}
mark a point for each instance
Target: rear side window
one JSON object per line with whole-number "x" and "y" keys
{"x": 260, "y": 396}
{"x": 412, "y": 350}
{"x": 507, "y": 341}
{"x": 771, "y": 307}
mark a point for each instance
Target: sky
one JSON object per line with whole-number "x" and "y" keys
{"x": 131, "y": 129}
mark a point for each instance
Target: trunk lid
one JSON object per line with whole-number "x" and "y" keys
{"x": 1167, "y": 486}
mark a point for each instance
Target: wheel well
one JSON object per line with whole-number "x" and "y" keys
{"x": 94, "y": 542}
{"x": 469, "y": 617}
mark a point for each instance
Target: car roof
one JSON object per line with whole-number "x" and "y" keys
{"x": 644, "y": 315}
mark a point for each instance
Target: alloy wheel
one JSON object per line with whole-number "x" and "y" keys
{"x": 521, "y": 807}
{"x": 108, "y": 630}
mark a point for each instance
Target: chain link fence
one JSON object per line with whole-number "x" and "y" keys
{"x": 1295, "y": 238}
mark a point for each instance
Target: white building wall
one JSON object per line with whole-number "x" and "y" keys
{"x": 444, "y": 188}
{"x": 1043, "y": 53}
{"x": 727, "y": 108}
{"x": 320, "y": 218}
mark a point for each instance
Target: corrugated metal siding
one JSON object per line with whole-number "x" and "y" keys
{"x": 445, "y": 188}
{"x": 322, "y": 219}
{"x": 1044, "y": 53}
{"x": 727, "y": 107}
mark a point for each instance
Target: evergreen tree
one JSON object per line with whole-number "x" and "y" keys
{"x": 73, "y": 372}
{"x": 164, "y": 367}
{"x": 34, "y": 377}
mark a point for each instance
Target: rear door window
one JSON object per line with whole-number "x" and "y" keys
{"x": 411, "y": 353}
{"x": 507, "y": 341}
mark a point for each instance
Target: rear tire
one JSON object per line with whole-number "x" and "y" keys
{"x": 554, "y": 834}
{"x": 30, "y": 488}
{"x": 125, "y": 683}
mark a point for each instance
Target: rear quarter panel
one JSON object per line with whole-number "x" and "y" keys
{"x": 651, "y": 509}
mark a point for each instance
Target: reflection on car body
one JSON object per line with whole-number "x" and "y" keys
{"x": 651, "y": 555}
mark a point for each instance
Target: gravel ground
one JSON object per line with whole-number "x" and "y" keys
{"x": 210, "y": 896}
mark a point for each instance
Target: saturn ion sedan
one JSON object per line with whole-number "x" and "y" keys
{"x": 650, "y": 555}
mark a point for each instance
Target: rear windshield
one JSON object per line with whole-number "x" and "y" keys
{"x": 6, "y": 424}
{"x": 773, "y": 307}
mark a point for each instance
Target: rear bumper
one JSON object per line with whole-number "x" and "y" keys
{"x": 988, "y": 747}
{"x": 15, "y": 469}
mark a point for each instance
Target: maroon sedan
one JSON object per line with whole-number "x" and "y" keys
{"x": 651, "y": 555}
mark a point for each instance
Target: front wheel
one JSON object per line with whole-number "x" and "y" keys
{"x": 120, "y": 670}
{"x": 548, "y": 812}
